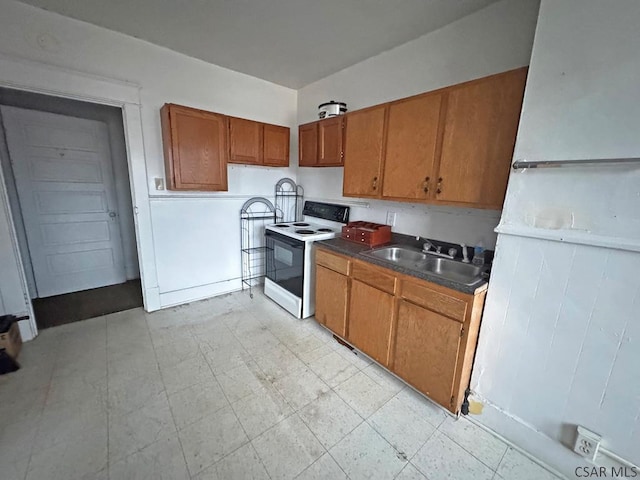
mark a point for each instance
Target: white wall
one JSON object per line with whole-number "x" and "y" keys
{"x": 166, "y": 76}
{"x": 559, "y": 340}
{"x": 495, "y": 39}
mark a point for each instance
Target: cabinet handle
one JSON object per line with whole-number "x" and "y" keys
{"x": 439, "y": 186}
{"x": 375, "y": 183}
{"x": 425, "y": 184}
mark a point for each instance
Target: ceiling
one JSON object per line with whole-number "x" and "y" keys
{"x": 288, "y": 42}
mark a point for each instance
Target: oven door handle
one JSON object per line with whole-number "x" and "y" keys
{"x": 281, "y": 238}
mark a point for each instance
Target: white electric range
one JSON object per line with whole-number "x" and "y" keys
{"x": 290, "y": 266}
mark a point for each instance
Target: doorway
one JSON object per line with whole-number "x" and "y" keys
{"x": 65, "y": 166}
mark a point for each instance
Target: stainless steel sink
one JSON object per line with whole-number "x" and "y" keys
{"x": 418, "y": 261}
{"x": 398, "y": 255}
{"x": 460, "y": 272}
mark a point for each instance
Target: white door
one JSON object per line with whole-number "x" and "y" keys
{"x": 64, "y": 177}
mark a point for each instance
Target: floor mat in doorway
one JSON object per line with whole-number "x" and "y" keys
{"x": 72, "y": 307}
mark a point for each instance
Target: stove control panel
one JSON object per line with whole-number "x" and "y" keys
{"x": 326, "y": 211}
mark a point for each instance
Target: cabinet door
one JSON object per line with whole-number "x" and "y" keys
{"x": 245, "y": 139}
{"x": 195, "y": 148}
{"x": 412, "y": 134}
{"x": 364, "y": 142}
{"x": 276, "y": 145}
{"x": 426, "y": 351}
{"x": 331, "y": 300}
{"x": 308, "y": 145}
{"x": 479, "y": 136}
{"x": 330, "y": 142}
{"x": 370, "y": 316}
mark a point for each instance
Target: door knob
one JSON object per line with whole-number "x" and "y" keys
{"x": 112, "y": 214}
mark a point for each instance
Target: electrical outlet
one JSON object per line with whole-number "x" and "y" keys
{"x": 159, "y": 182}
{"x": 391, "y": 218}
{"x": 587, "y": 443}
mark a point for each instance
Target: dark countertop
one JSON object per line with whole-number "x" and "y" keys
{"x": 352, "y": 249}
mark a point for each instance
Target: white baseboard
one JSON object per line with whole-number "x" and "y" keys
{"x": 548, "y": 452}
{"x": 179, "y": 297}
{"x": 152, "y": 299}
{"x": 524, "y": 437}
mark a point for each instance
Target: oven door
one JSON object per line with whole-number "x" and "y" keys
{"x": 285, "y": 262}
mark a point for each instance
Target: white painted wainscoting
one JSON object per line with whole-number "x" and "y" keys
{"x": 559, "y": 345}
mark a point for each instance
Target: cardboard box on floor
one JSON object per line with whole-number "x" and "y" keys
{"x": 11, "y": 340}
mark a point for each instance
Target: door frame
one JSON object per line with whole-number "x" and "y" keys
{"x": 26, "y": 75}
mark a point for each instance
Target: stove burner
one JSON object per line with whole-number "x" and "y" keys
{"x": 325, "y": 230}
{"x": 282, "y": 225}
{"x": 300, "y": 224}
{"x": 303, "y": 231}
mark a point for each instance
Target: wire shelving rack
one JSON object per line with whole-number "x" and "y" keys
{"x": 255, "y": 214}
{"x": 288, "y": 201}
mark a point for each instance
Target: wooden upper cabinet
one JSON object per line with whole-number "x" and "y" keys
{"x": 195, "y": 148}
{"x": 426, "y": 351}
{"x": 275, "y": 145}
{"x": 320, "y": 143}
{"x": 479, "y": 136}
{"x": 363, "y": 150}
{"x": 308, "y": 145}
{"x": 412, "y": 138}
{"x": 330, "y": 141}
{"x": 257, "y": 143}
{"x": 245, "y": 141}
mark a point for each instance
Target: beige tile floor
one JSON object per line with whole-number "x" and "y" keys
{"x": 227, "y": 388}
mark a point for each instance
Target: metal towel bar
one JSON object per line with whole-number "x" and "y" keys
{"x": 524, "y": 164}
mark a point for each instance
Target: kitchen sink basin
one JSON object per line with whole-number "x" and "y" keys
{"x": 453, "y": 270}
{"x": 418, "y": 261}
{"x": 401, "y": 255}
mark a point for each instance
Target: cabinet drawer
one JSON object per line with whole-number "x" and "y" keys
{"x": 333, "y": 262}
{"x": 422, "y": 295}
{"x": 374, "y": 276}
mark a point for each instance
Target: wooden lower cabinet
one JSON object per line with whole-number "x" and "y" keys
{"x": 423, "y": 332}
{"x": 331, "y": 300}
{"x": 370, "y": 314}
{"x": 426, "y": 350}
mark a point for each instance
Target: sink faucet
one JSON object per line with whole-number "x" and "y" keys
{"x": 427, "y": 246}
{"x": 465, "y": 255}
